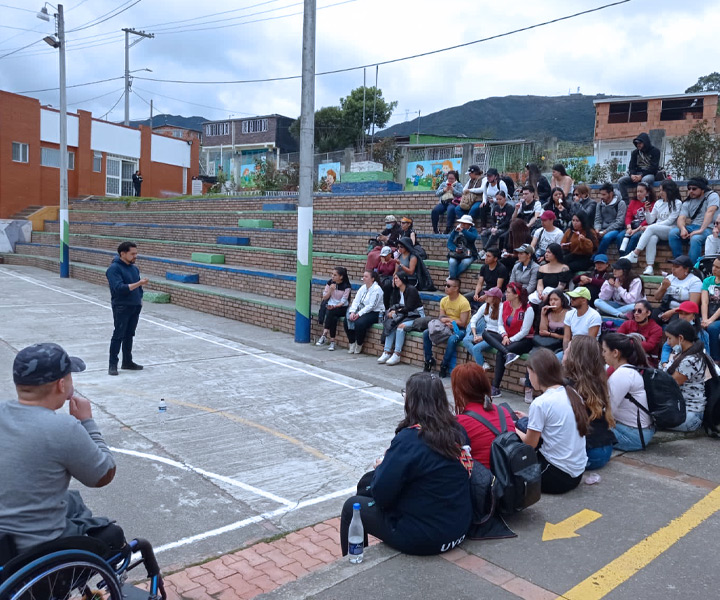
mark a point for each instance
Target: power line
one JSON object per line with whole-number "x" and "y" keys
{"x": 17, "y": 8}
{"x": 224, "y": 110}
{"x": 76, "y": 6}
{"x": 97, "y": 22}
{"x": 71, "y": 86}
{"x": 95, "y": 98}
{"x": 395, "y": 60}
{"x": 23, "y": 48}
{"x": 114, "y": 105}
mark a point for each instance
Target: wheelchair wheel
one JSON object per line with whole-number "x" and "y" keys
{"x": 68, "y": 575}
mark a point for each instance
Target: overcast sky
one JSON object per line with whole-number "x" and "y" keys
{"x": 644, "y": 47}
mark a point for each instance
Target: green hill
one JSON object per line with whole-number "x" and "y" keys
{"x": 570, "y": 118}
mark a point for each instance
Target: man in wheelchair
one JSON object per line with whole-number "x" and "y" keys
{"x": 41, "y": 449}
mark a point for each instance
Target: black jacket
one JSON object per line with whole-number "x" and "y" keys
{"x": 411, "y": 297}
{"x": 652, "y": 156}
{"x": 119, "y": 274}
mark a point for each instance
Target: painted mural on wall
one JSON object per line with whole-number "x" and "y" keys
{"x": 330, "y": 172}
{"x": 247, "y": 175}
{"x": 426, "y": 175}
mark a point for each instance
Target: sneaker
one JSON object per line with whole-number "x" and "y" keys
{"x": 321, "y": 341}
{"x": 481, "y": 255}
{"x": 131, "y": 366}
{"x": 528, "y": 395}
{"x": 443, "y": 371}
{"x": 351, "y": 348}
{"x": 648, "y": 270}
{"x": 429, "y": 364}
{"x": 383, "y": 358}
{"x": 510, "y": 358}
{"x": 393, "y": 360}
{"x": 112, "y": 370}
{"x": 358, "y": 348}
{"x": 632, "y": 257}
{"x": 331, "y": 347}
{"x": 495, "y": 392}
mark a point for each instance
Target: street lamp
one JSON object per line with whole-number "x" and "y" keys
{"x": 59, "y": 43}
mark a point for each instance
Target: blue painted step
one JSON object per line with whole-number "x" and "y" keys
{"x": 279, "y": 206}
{"x": 231, "y": 240}
{"x": 182, "y": 276}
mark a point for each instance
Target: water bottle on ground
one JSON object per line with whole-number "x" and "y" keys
{"x": 162, "y": 408}
{"x": 355, "y": 536}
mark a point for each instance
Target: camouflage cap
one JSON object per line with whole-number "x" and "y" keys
{"x": 42, "y": 363}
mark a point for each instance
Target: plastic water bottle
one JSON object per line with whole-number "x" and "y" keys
{"x": 162, "y": 408}
{"x": 355, "y": 536}
{"x": 624, "y": 243}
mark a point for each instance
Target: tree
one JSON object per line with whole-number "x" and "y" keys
{"x": 697, "y": 153}
{"x": 337, "y": 127}
{"x": 708, "y": 83}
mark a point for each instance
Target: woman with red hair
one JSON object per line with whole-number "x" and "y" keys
{"x": 471, "y": 391}
{"x": 515, "y": 335}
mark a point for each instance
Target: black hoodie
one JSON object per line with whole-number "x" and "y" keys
{"x": 647, "y": 161}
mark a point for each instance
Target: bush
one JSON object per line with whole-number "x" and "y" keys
{"x": 695, "y": 154}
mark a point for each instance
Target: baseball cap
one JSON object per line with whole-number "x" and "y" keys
{"x": 390, "y": 219}
{"x": 688, "y": 307}
{"x": 580, "y": 292}
{"x": 43, "y": 363}
{"x": 492, "y": 171}
{"x": 385, "y": 251}
{"x": 406, "y": 220}
{"x": 548, "y": 215}
{"x": 525, "y": 248}
{"x": 682, "y": 261}
{"x": 474, "y": 169}
{"x": 495, "y": 292}
{"x": 600, "y": 258}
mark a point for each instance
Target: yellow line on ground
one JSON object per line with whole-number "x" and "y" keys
{"x": 242, "y": 421}
{"x": 602, "y": 582}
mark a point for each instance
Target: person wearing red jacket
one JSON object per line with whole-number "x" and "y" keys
{"x": 640, "y": 206}
{"x": 642, "y": 324}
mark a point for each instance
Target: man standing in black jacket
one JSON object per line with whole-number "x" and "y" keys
{"x": 126, "y": 298}
{"x": 644, "y": 165}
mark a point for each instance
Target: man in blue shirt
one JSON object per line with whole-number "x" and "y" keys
{"x": 126, "y": 299}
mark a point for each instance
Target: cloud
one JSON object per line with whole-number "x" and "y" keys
{"x": 627, "y": 49}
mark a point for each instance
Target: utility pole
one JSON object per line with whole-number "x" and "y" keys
{"x": 151, "y": 113}
{"x": 372, "y": 137}
{"x": 128, "y": 45}
{"x": 303, "y": 280}
{"x": 64, "y": 213}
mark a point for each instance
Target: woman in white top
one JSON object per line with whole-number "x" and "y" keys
{"x": 561, "y": 179}
{"x": 366, "y": 310}
{"x": 487, "y": 318}
{"x": 661, "y": 220}
{"x": 559, "y": 417}
{"x": 620, "y": 292}
{"x": 633, "y": 426}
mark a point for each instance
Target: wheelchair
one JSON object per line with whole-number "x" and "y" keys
{"x": 79, "y": 568}
{"x": 703, "y": 266}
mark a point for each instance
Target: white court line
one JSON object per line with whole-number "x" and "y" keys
{"x": 250, "y": 520}
{"x": 186, "y": 467}
{"x": 264, "y": 357}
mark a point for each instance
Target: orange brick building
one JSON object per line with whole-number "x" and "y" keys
{"x": 176, "y": 131}
{"x": 619, "y": 120}
{"x": 102, "y": 157}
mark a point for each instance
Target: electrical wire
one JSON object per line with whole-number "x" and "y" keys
{"x": 93, "y": 24}
{"x": 18, "y": 8}
{"x": 23, "y": 48}
{"x": 114, "y": 105}
{"x": 224, "y": 110}
{"x": 96, "y": 97}
{"x": 77, "y": 5}
{"x": 72, "y": 86}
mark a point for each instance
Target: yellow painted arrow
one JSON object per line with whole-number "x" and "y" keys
{"x": 568, "y": 527}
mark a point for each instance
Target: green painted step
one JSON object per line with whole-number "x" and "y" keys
{"x": 206, "y": 257}
{"x": 156, "y": 297}
{"x": 256, "y": 223}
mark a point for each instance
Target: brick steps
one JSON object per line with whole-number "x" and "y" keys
{"x": 264, "y": 311}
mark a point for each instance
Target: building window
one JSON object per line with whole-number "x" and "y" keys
{"x": 177, "y": 133}
{"x": 217, "y": 129}
{"x": 628, "y": 112}
{"x": 50, "y": 157}
{"x": 19, "y": 152}
{"x": 679, "y": 110}
{"x": 622, "y": 157}
{"x": 255, "y": 126}
{"x": 97, "y": 162}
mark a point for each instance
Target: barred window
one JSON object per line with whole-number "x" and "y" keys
{"x": 255, "y": 126}
{"x": 217, "y": 129}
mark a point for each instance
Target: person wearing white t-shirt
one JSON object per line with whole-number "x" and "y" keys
{"x": 558, "y": 417}
{"x": 622, "y": 352}
{"x": 491, "y": 185}
{"x": 546, "y": 235}
{"x": 582, "y": 319}
{"x": 675, "y": 289}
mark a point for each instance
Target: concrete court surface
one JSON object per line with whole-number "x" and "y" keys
{"x": 257, "y": 424}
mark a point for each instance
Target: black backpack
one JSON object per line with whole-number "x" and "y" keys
{"x": 666, "y": 405}
{"x": 711, "y": 417}
{"x": 515, "y": 466}
{"x": 510, "y": 184}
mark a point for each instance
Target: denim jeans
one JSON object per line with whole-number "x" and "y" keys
{"x": 633, "y": 241}
{"x": 598, "y": 457}
{"x": 457, "y": 268}
{"x": 450, "y": 356}
{"x": 693, "y": 421}
{"x": 713, "y": 332}
{"x": 476, "y": 350}
{"x": 610, "y": 237}
{"x": 697, "y": 242}
{"x": 625, "y": 182}
{"x": 125, "y": 320}
{"x": 474, "y": 211}
{"x": 396, "y": 338}
{"x": 628, "y": 438}
{"x": 612, "y": 308}
{"x": 439, "y": 209}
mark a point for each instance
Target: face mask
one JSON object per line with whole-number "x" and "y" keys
{"x": 388, "y": 226}
{"x": 677, "y": 348}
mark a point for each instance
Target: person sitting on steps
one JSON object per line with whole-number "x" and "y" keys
{"x": 337, "y": 298}
{"x": 366, "y": 310}
{"x": 405, "y": 307}
{"x": 609, "y": 217}
{"x": 644, "y": 165}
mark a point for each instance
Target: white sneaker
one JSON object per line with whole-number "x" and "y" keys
{"x": 321, "y": 341}
{"x": 351, "y": 348}
{"x": 393, "y": 360}
{"x": 331, "y": 347}
{"x": 528, "y": 395}
{"x": 358, "y": 348}
{"x": 648, "y": 270}
{"x": 383, "y": 358}
{"x": 632, "y": 257}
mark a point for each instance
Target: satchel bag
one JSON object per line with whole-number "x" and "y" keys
{"x": 439, "y": 332}
{"x": 447, "y": 197}
{"x": 466, "y": 201}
